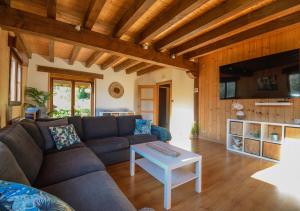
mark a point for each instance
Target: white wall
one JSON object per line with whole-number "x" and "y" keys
{"x": 103, "y": 99}
{"x": 182, "y": 114}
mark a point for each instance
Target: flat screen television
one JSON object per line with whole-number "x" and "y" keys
{"x": 273, "y": 76}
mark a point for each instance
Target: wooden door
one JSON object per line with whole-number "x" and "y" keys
{"x": 147, "y": 102}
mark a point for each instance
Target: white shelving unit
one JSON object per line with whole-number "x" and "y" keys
{"x": 254, "y": 137}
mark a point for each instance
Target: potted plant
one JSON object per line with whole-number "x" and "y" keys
{"x": 39, "y": 98}
{"x": 195, "y": 131}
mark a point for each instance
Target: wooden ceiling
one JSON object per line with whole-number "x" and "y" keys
{"x": 141, "y": 36}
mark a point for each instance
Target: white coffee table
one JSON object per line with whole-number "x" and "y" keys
{"x": 167, "y": 169}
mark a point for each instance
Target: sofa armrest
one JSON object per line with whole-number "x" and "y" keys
{"x": 162, "y": 133}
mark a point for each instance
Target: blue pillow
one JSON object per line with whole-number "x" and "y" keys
{"x": 162, "y": 133}
{"x": 142, "y": 126}
{"x": 15, "y": 196}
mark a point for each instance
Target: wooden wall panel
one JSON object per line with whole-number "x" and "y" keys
{"x": 214, "y": 112}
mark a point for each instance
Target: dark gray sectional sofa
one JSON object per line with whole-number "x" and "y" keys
{"x": 77, "y": 174}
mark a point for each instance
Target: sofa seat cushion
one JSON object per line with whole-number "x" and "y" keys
{"x": 143, "y": 138}
{"x": 107, "y": 144}
{"x": 64, "y": 165}
{"x": 94, "y": 192}
{"x": 81, "y": 144}
{"x": 27, "y": 153}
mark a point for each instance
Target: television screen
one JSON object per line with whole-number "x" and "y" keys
{"x": 274, "y": 76}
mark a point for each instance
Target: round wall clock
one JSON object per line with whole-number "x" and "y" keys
{"x": 116, "y": 90}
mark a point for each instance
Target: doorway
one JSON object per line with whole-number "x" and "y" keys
{"x": 164, "y": 90}
{"x": 71, "y": 97}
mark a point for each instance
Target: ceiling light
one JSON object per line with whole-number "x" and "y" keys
{"x": 145, "y": 46}
{"x": 173, "y": 56}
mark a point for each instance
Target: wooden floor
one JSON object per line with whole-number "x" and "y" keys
{"x": 227, "y": 184}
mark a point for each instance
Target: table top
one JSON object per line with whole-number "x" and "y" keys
{"x": 165, "y": 161}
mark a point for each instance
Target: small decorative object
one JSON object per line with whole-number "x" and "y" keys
{"x": 39, "y": 98}
{"x": 297, "y": 121}
{"x": 116, "y": 90}
{"x": 142, "y": 126}
{"x": 274, "y": 137}
{"x": 240, "y": 114}
{"x": 164, "y": 150}
{"x": 195, "y": 131}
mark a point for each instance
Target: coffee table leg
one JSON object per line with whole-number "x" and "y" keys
{"x": 198, "y": 175}
{"x": 132, "y": 162}
{"x": 167, "y": 189}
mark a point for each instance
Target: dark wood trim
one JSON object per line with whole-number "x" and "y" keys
{"x": 214, "y": 16}
{"x": 177, "y": 11}
{"x": 5, "y": 2}
{"x": 264, "y": 28}
{"x": 69, "y": 72}
{"x": 260, "y": 16}
{"x": 170, "y": 100}
{"x": 25, "y": 48}
{"x": 135, "y": 11}
{"x": 16, "y": 20}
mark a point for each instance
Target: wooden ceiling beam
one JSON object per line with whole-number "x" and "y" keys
{"x": 51, "y": 50}
{"x": 126, "y": 64}
{"x": 137, "y": 67}
{"x": 89, "y": 21}
{"x": 256, "y": 31}
{"x": 74, "y": 54}
{"x": 68, "y": 72}
{"x": 270, "y": 12}
{"x": 179, "y": 10}
{"x": 111, "y": 61}
{"x": 135, "y": 11}
{"x": 16, "y": 20}
{"x": 149, "y": 70}
{"x": 92, "y": 13}
{"x": 51, "y": 9}
{"x": 5, "y": 2}
{"x": 214, "y": 16}
{"x": 26, "y": 50}
{"x": 93, "y": 58}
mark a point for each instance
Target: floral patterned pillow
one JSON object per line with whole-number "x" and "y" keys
{"x": 64, "y": 136}
{"x": 16, "y": 196}
{"x": 142, "y": 126}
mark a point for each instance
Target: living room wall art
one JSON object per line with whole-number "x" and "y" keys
{"x": 116, "y": 90}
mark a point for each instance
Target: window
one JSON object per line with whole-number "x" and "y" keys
{"x": 227, "y": 89}
{"x": 294, "y": 83}
{"x": 15, "y": 80}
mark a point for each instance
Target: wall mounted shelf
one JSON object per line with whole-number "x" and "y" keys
{"x": 273, "y": 104}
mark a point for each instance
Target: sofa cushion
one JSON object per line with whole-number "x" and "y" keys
{"x": 142, "y": 126}
{"x": 64, "y": 136}
{"x": 126, "y": 124}
{"x": 44, "y": 128}
{"x": 99, "y": 127}
{"x": 107, "y": 144}
{"x": 61, "y": 166}
{"x": 9, "y": 168}
{"x": 94, "y": 192}
{"x": 15, "y": 196}
{"x": 77, "y": 122}
{"x": 54, "y": 150}
{"x": 32, "y": 128}
{"x": 139, "y": 139}
{"x": 28, "y": 155}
